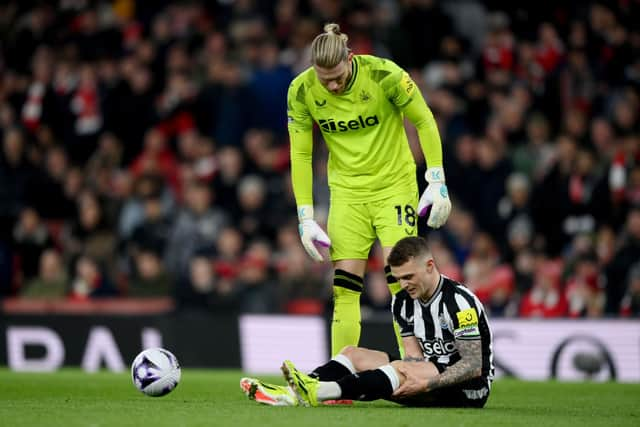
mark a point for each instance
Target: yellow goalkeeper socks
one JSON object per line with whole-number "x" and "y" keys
{"x": 345, "y": 327}
{"x": 394, "y": 288}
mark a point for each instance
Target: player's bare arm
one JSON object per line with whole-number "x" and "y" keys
{"x": 469, "y": 366}
{"x": 413, "y": 359}
{"x": 412, "y": 350}
{"x": 414, "y": 376}
{"x": 421, "y": 377}
{"x": 413, "y": 368}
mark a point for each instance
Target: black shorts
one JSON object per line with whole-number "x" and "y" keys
{"x": 470, "y": 394}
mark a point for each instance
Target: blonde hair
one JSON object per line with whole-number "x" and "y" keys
{"x": 329, "y": 48}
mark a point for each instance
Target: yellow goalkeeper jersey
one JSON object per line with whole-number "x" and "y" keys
{"x": 369, "y": 156}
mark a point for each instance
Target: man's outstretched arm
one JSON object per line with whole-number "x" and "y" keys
{"x": 417, "y": 378}
{"x": 469, "y": 366}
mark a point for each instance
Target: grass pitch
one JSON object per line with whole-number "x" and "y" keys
{"x": 213, "y": 398}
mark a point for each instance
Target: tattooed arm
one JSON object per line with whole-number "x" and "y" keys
{"x": 412, "y": 349}
{"x": 469, "y": 366}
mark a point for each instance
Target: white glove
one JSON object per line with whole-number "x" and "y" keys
{"x": 435, "y": 199}
{"x": 310, "y": 233}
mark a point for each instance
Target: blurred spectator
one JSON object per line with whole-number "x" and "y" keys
{"x": 447, "y": 264}
{"x": 201, "y": 290}
{"x": 89, "y": 281}
{"x": 267, "y": 87}
{"x": 46, "y": 192}
{"x": 376, "y": 297}
{"x": 497, "y": 53}
{"x": 545, "y": 298}
{"x": 487, "y": 277}
{"x": 256, "y": 282}
{"x": 40, "y": 105}
{"x": 461, "y": 158}
{"x": 460, "y": 233}
{"x": 173, "y": 106}
{"x": 223, "y": 101}
{"x": 297, "y": 52}
{"x": 301, "y": 289}
{"x": 520, "y": 237}
{"x": 625, "y": 114}
{"x": 626, "y": 157}
{"x": 514, "y": 210}
{"x": 584, "y": 288}
{"x": 131, "y": 98}
{"x": 34, "y": 30}
{"x": 603, "y": 140}
{"x": 197, "y": 289}
{"x": 31, "y": 239}
{"x": 630, "y": 305}
{"x": 195, "y": 228}
{"x": 550, "y": 199}
{"x": 549, "y": 48}
{"x": 15, "y": 172}
{"x": 226, "y": 181}
{"x": 205, "y": 164}
{"x": 229, "y": 247}
{"x": 264, "y": 156}
{"x": 107, "y": 155}
{"x": 254, "y": 219}
{"x": 574, "y": 126}
{"x": 627, "y": 255}
{"x": 88, "y": 119}
{"x": 524, "y": 266}
{"x": 149, "y": 279}
{"x": 153, "y": 232}
{"x": 534, "y": 157}
{"x": 605, "y": 246}
{"x": 156, "y": 159}
{"x": 145, "y": 249}
{"x": 90, "y": 236}
{"x": 51, "y": 282}
{"x": 416, "y": 38}
{"x": 132, "y": 213}
{"x": 489, "y": 188}
{"x": 577, "y": 81}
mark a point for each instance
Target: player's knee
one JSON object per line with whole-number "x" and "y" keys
{"x": 349, "y": 351}
{"x": 346, "y": 284}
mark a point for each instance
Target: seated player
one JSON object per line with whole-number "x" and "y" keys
{"x": 446, "y": 336}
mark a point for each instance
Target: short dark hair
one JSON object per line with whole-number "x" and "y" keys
{"x": 407, "y": 248}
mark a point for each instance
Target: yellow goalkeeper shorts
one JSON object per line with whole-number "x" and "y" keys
{"x": 354, "y": 227}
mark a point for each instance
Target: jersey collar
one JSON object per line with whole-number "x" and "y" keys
{"x": 354, "y": 74}
{"x": 435, "y": 294}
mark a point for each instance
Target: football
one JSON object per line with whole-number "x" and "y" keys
{"x": 155, "y": 372}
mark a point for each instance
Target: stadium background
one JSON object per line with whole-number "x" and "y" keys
{"x": 144, "y": 163}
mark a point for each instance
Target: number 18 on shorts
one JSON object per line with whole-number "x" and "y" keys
{"x": 354, "y": 227}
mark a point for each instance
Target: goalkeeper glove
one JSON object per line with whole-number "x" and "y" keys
{"x": 311, "y": 233}
{"x": 435, "y": 199}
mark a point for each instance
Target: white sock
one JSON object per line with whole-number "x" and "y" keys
{"x": 346, "y": 362}
{"x": 329, "y": 390}
{"x": 391, "y": 373}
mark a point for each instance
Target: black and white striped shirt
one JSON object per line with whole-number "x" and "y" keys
{"x": 452, "y": 313}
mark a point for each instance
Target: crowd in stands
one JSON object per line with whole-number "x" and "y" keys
{"x": 145, "y": 153}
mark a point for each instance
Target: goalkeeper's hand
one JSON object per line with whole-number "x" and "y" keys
{"x": 310, "y": 233}
{"x": 435, "y": 202}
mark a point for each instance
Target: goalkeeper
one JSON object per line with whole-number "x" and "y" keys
{"x": 359, "y": 102}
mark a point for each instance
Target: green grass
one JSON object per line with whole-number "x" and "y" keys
{"x": 213, "y": 398}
